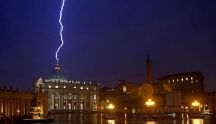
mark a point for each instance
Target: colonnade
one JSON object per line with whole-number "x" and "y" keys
{"x": 19, "y": 103}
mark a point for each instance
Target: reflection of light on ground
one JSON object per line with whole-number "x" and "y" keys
{"x": 101, "y": 118}
{"x": 197, "y": 121}
{"x": 125, "y": 121}
{"x": 151, "y": 122}
{"x": 185, "y": 121}
{"x": 110, "y": 121}
{"x": 174, "y": 121}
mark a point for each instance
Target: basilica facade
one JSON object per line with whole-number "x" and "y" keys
{"x": 68, "y": 95}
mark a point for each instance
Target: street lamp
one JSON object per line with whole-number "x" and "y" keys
{"x": 195, "y": 104}
{"x": 110, "y": 106}
{"x": 18, "y": 112}
{"x": 150, "y": 103}
{"x": 110, "y": 113}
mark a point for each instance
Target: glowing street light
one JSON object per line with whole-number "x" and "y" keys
{"x": 195, "y": 103}
{"x": 110, "y": 106}
{"x": 149, "y": 103}
{"x": 18, "y": 111}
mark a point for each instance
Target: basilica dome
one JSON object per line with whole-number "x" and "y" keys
{"x": 57, "y": 74}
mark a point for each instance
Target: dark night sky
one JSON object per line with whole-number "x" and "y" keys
{"x": 107, "y": 40}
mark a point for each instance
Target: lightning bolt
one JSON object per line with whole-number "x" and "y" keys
{"x": 61, "y": 30}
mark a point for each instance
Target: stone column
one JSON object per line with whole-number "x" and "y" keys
{"x": 1, "y": 105}
{"x": 5, "y": 106}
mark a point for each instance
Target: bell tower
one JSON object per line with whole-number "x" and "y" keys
{"x": 149, "y": 77}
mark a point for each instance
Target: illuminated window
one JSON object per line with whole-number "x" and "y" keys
{"x": 173, "y": 80}
{"x": 94, "y": 88}
{"x": 191, "y": 78}
{"x": 49, "y": 86}
{"x": 56, "y": 106}
{"x": 124, "y": 89}
{"x": 81, "y": 87}
{"x": 81, "y": 106}
{"x": 186, "y": 78}
{"x": 177, "y": 80}
{"x": 182, "y": 79}
{"x": 56, "y": 86}
{"x": 197, "y": 81}
{"x": 169, "y": 81}
{"x": 87, "y": 88}
{"x": 74, "y": 87}
{"x": 95, "y": 97}
{"x": 64, "y": 86}
{"x": 69, "y": 106}
{"x": 74, "y": 107}
{"x": 75, "y": 96}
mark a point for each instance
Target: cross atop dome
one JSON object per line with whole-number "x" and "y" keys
{"x": 57, "y": 67}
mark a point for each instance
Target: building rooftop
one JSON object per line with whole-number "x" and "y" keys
{"x": 181, "y": 74}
